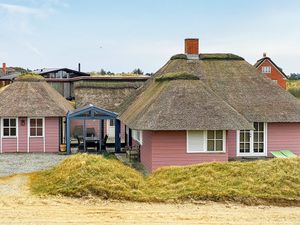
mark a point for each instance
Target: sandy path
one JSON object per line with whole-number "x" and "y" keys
{"x": 17, "y": 206}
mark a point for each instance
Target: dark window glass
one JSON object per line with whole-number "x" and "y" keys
{"x": 39, "y": 122}
{"x": 6, "y": 122}
{"x": 12, "y": 122}
{"x": 39, "y": 132}
{"x": 6, "y": 131}
{"x": 13, "y": 132}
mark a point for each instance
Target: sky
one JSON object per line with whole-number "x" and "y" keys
{"x": 119, "y": 35}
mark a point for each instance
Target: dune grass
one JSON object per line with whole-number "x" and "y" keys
{"x": 84, "y": 175}
{"x": 275, "y": 181}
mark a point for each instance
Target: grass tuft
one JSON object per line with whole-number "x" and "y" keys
{"x": 30, "y": 76}
{"x": 273, "y": 181}
{"x": 177, "y": 76}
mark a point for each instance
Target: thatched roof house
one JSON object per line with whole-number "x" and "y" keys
{"x": 210, "y": 107}
{"x": 30, "y": 95}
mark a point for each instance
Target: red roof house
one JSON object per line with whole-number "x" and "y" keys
{"x": 269, "y": 68}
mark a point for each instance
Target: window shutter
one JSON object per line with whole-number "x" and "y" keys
{"x": 195, "y": 141}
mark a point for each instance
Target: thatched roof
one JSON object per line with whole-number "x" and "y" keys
{"x": 230, "y": 94}
{"x": 106, "y": 94}
{"x": 30, "y": 95}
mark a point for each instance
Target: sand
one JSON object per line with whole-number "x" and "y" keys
{"x": 18, "y": 206}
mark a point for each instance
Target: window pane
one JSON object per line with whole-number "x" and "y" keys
{"x": 219, "y": 134}
{"x": 255, "y": 136}
{"x": 219, "y": 145}
{"x": 13, "y": 132}
{"x": 12, "y": 122}
{"x": 242, "y": 136}
{"x": 210, "y": 134}
{"x": 32, "y": 122}
{"x": 261, "y": 136}
{"x": 32, "y": 132}
{"x": 256, "y": 126}
{"x": 242, "y": 147}
{"x": 247, "y": 147}
{"x": 261, "y": 147}
{"x": 39, "y": 132}
{"x": 255, "y": 147}
{"x": 6, "y": 122}
{"x": 6, "y": 131}
{"x": 39, "y": 122}
{"x": 247, "y": 136}
{"x": 112, "y": 123}
{"x": 210, "y": 145}
{"x": 261, "y": 126}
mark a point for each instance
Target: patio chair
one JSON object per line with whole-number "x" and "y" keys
{"x": 90, "y": 132}
{"x": 78, "y": 131}
{"x": 80, "y": 144}
{"x": 288, "y": 153}
{"x": 103, "y": 143}
{"x": 133, "y": 152}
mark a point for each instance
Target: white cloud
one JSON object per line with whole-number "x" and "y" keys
{"x": 18, "y": 9}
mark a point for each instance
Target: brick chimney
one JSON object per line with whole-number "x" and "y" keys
{"x": 191, "y": 48}
{"x": 4, "y": 68}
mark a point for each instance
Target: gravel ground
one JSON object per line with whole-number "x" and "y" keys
{"x": 27, "y": 162}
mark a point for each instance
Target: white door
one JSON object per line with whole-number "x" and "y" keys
{"x": 252, "y": 142}
{"x": 111, "y": 128}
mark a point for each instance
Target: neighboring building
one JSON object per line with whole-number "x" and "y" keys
{"x": 31, "y": 114}
{"x": 266, "y": 66}
{"x": 61, "y": 79}
{"x": 210, "y": 107}
{"x": 7, "y": 75}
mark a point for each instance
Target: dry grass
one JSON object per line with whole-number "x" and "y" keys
{"x": 30, "y": 76}
{"x": 84, "y": 175}
{"x": 177, "y": 76}
{"x": 261, "y": 182}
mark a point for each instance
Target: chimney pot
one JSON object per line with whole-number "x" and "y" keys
{"x": 264, "y": 54}
{"x": 4, "y": 68}
{"x": 191, "y": 46}
{"x": 79, "y": 67}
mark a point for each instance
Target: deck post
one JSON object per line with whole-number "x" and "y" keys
{"x": 102, "y": 129}
{"x": 117, "y": 136}
{"x": 68, "y": 134}
{"x": 130, "y": 137}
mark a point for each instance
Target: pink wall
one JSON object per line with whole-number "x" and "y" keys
{"x": 231, "y": 143}
{"x": 169, "y": 148}
{"x": 284, "y": 136}
{"x": 36, "y": 144}
{"x": 22, "y": 134}
{"x": 52, "y": 134}
{"x": 146, "y": 149}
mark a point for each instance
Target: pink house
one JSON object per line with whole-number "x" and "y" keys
{"x": 31, "y": 114}
{"x": 210, "y": 107}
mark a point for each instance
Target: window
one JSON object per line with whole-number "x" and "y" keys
{"x": 275, "y": 81}
{"x": 206, "y": 141}
{"x": 36, "y": 127}
{"x": 137, "y": 135}
{"x": 9, "y": 127}
{"x": 252, "y": 142}
{"x": 266, "y": 69}
{"x": 215, "y": 140}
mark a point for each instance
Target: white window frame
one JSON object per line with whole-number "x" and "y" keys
{"x": 43, "y": 123}
{"x": 135, "y": 136}
{"x": 266, "y": 69}
{"x": 252, "y": 153}
{"x": 204, "y": 150}
{"x": 2, "y": 127}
